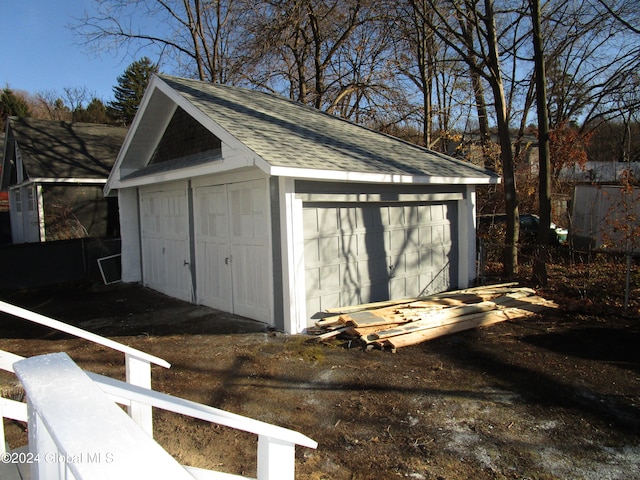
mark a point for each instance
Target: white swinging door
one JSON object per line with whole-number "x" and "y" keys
{"x": 232, "y": 248}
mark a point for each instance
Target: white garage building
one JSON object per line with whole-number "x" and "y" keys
{"x": 253, "y": 204}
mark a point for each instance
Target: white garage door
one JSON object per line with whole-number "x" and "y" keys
{"x": 358, "y": 254}
{"x": 165, "y": 242}
{"x": 232, "y": 249}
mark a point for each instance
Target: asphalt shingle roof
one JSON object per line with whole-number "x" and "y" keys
{"x": 288, "y": 134}
{"x": 56, "y": 149}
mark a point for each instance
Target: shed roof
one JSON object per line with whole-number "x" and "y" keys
{"x": 291, "y": 139}
{"x": 289, "y": 134}
{"x": 57, "y": 149}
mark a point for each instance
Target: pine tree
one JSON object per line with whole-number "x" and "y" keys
{"x": 96, "y": 112}
{"x": 12, "y": 105}
{"x": 130, "y": 89}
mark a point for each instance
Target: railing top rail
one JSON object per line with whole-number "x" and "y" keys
{"x": 78, "y": 332}
{"x": 182, "y": 406}
{"x": 94, "y": 437}
{"x": 7, "y": 359}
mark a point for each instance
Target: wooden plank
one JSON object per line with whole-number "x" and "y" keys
{"x": 498, "y": 288}
{"x": 477, "y": 320}
{"x": 531, "y": 302}
{"x": 332, "y": 333}
{"x": 369, "y": 318}
{"x": 365, "y": 331}
{"x": 329, "y": 321}
{"x": 407, "y": 312}
{"x": 443, "y": 317}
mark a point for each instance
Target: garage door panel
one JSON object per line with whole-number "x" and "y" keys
{"x": 349, "y": 220}
{"x": 406, "y": 263}
{"x": 329, "y": 249}
{"x": 396, "y": 216}
{"x": 330, "y": 277}
{"x": 311, "y": 252}
{"x": 214, "y": 289}
{"x": 404, "y": 287}
{"x": 212, "y": 247}
{"x": 398, "y": 241}
{"x": 415, "y": 240}
{"x": 310, "y": 221}
{"x": 232, "y": 248}
{"x": 250, "y": 282}
{"x": 348, "y": 247}
{"x": 374, "y": 243}
{"x": 165, "y": 238}
{"x": 312, "y": 282}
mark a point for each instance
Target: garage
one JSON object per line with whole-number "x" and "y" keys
{"x": 249, "y": 203}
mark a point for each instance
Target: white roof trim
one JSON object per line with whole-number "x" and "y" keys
{"x": 171, "y": 175}
{"x": 114, "y": 175}
{"x": 202, "y": 118}
{"x": 114, "y": 182}
{"x": 347, "y": 176}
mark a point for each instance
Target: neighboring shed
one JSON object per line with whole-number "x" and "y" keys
{"x": 606, "y": 217}
{"x": 253, "y": 204}
{"x": 55, "y": 173}
{"x": 599, "y": 172}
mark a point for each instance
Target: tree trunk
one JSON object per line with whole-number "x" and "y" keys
{"x": 540, "y": 265}
{"x": 510, "y": 253}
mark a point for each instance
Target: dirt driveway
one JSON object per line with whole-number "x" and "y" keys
{"x": 554, "y": 396}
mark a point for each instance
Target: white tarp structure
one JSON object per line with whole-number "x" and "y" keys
{"x": 606, "y": 218}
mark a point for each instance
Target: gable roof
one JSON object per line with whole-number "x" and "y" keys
{"x": 52, "y": 149}
{"x": 287, "y": 138}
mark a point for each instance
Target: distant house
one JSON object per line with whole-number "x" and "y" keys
{"x": 54, "y": 173}
{"x": 253, "y": 204}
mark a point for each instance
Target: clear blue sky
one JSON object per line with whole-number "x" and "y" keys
{"x": 39, "y": 53}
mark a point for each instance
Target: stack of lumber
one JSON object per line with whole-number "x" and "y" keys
{"x": 391, "y": 325}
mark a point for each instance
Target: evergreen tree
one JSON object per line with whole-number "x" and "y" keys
{"x": 130, "y": 89}
{"x": 12, "y": 105}
{"x": 96, "y": 112}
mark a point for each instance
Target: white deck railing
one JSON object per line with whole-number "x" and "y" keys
{"x": 74, "y": 429}
{"x": 76, "y": 432}
{"x": 137, "y": 363}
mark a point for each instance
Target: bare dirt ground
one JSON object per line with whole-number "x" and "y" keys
{"x": 556, "y": 396}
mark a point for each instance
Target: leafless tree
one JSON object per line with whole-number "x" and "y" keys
{"x": 52, "y": 106}
{"x": 470, "y": 28}
{"x": 328, "y": 54}
{"x": 544, "y": 189}
{"x": 592, "y": 49}
{"x": 197, "y": 36}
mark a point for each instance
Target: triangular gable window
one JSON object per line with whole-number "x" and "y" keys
{"x": 185, "y": 137}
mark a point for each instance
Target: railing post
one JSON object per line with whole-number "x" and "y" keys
{"x": 3, "y": 445}
{"x": 43, "y": 448}
{"x": 276, "y": 459}
{"x": 139, "y": 374}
